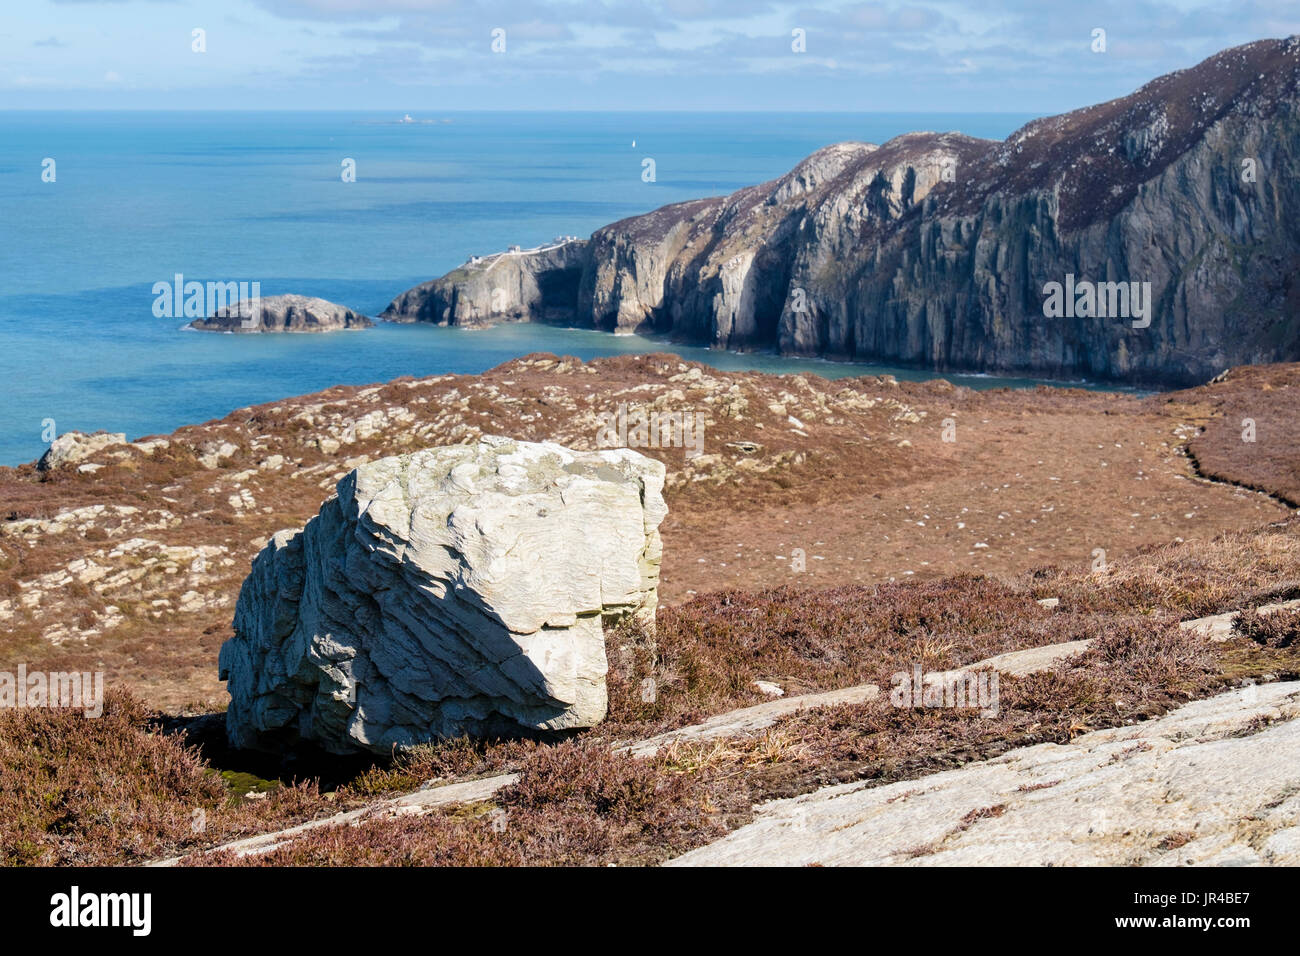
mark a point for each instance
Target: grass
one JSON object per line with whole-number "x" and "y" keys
{"x": 855, "y": 443}
{"x": 1277, "y": 630}
{"x": 1251, "y": 439}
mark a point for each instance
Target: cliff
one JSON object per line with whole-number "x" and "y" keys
{"x": 939, "y": 250}
{"x": 538, "y": 284}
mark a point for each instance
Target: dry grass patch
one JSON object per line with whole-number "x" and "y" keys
{"x": 117, "y": 790}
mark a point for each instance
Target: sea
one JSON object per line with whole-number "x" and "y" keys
{"x": 96, "y": 208}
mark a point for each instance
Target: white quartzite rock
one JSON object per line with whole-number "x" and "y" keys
{"x": 454, "y": 590}
{"x": 72, "y": 447}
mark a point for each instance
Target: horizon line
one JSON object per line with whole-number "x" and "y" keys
{"x": 795, "y": 112}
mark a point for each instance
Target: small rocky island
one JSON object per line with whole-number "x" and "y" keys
{"x": 282, "y": 313}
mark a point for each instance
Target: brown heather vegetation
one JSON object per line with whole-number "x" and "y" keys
{"x": 1278, "y": 630}
{"x": 853, "y": 472}
{"x": 580, "y": 804}
{"x": 113, "y": 790}
{"x": 1268, "y": 396}
{"x": 119, "y": 790}
{"x": 862, "y": 482}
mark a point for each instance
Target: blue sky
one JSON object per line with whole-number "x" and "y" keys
{"x": 434, "y": 56}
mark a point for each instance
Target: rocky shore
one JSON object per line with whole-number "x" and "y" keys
{"x": 640, "y": 610}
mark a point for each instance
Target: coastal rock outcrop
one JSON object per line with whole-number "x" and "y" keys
{"x": 282, "y": 313}
{"x": 461, "y": 589}
{"x": 539, "y": 285}
{"x": 1174, "y": 211}
{"x": 72, "y": 447}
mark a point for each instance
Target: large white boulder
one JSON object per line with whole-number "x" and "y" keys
{"x": 455, "y": 590}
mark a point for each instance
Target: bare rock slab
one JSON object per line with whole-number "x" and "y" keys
{"x": 462, "y": 589}
{"x": 1214, "y": 782}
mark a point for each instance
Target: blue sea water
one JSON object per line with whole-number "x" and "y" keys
{"x": 141, "y": 196}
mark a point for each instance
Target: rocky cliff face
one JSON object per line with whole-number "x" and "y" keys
{"x": 513, "y": 286}
{"x": 938, "y": 249}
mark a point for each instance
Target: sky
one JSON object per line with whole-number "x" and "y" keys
{"x": 434, "y": 56}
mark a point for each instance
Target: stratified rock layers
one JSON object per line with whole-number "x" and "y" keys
{"x": 462, "y": 589}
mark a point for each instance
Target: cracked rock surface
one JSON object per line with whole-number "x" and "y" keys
{"x": 1214, "y": 782}
{"x": 462, "y": 589}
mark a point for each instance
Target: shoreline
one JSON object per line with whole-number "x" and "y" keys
{"x": 660, "y": 346}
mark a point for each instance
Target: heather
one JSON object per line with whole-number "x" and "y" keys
{"x": 125, "y": 787}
